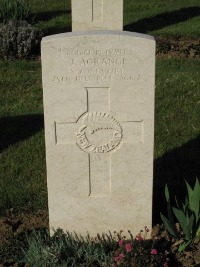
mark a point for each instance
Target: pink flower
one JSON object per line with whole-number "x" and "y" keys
{"x": 121, "y": 256}
{"x": 121, "y": 242}
{"x": 128, "y": 247}
{"x": 154, "y": 251}
{"x": 165, "y": 264}
{"x": 139, "y": 237}
{"x": 113, "y": 265}
{"x": 118, "y": 258}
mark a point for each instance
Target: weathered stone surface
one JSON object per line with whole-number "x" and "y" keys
{"x": 97, "y": 15}
{"x": 99, "y": 129}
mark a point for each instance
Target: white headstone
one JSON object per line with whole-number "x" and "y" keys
{"x": 99, "y": 121}
{"x": 97, "y": 15}
{"x": 99, "y": 130}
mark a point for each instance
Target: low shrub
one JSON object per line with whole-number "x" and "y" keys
{"x": 66, "y": 249}
{"x": 18, "y": 39}
{"x": 106, "y": 250}
{"x": 14, "y": 10}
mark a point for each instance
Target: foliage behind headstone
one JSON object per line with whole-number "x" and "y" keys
{"x": 18, "y": 39}
{"x": 14, "y": 10}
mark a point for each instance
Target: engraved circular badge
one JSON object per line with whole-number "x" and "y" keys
{"x": 100, "y": 133}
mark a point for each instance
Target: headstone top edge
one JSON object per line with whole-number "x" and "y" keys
{"x": 97, "y": 15}
{"x": 93, "y": 33}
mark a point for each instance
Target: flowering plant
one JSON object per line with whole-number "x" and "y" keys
{"x": 123, "y": 254}
{"x": 138, "y": 252}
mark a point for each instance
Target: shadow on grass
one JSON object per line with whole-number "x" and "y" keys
{"x": 163, "y": 20}
{"x": 48, "y": 15}
{"x": 16, "y": 129}
{"x": 57, "y": 30}
{"x": 143, "y": 26}
{"x": 173, "y": 169}
{"x": 45, "y": 16}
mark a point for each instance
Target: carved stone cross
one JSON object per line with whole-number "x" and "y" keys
{"x": 97, "y": 15}
{"x": 99, "y": 134}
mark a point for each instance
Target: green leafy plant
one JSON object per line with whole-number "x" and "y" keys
{"x": 14, "y": 10}
{"x": 18, "y": 39}
{"x": 187, "y": 214}
{"x": 67, "y": 249}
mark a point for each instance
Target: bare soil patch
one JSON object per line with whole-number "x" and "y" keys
{"x": 12, "y": 234}
{"x": 188, "y": 258}
{"x": 178, "y": 47}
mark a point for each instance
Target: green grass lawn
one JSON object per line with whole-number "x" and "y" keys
{"x": 163, "y": 18}
{"x": 177, "y": 123}
{"x": 177, "y": 127}
{"x": 177, "y": 103}
{"x": 22, "y": 154}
